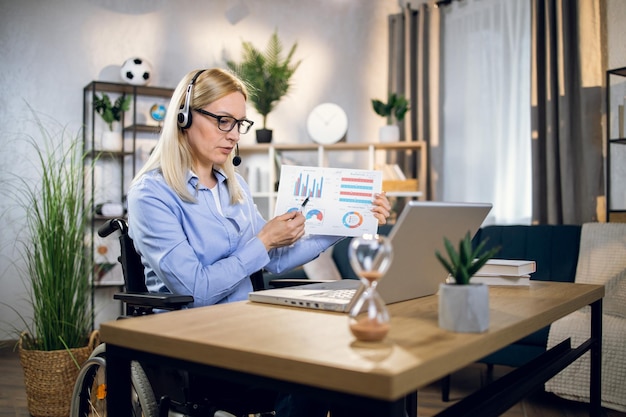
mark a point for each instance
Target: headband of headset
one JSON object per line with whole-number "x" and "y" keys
{"x": 184, "y": 113}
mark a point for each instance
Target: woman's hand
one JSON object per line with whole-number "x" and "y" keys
{"x": 283, "y": 230}
{"x": 382, "y": 208}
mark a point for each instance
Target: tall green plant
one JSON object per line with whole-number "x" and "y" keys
{"x": 57, "y": 263}
{"x": 268, "y": 73}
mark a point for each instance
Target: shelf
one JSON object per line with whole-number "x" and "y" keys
{"x": 111, "y": 184}
{"x": 108, "y": 284}
{"x": 143, "y": 129}
{"x": 333, "y": 147}
{"x": 615, "y": 157}
{"x": 618, "y": 71}
{"x": 139, "y": 90}
{"x": 98, "y": 153}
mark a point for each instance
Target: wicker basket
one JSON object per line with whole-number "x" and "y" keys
{"x": 49, "y": 377}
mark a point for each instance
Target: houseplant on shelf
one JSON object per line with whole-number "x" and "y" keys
{"x": 56, "y": 340}
{"x": 111, "y": 112}
{"x": 394, "y": 111}
{"x": 463, "y": 306}
{"x": 268, "y": 74}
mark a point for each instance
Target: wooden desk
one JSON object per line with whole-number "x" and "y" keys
{"x": 297, "y": 349}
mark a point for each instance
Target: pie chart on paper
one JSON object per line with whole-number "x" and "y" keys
{"x": 352, "y": 219}
{"x": 315, "y": 216}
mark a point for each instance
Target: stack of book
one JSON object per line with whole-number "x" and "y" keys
{"x": 505, "y": 272}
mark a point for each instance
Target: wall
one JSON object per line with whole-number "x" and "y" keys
{"x": 52, "y": 49}
{"x": 616, "y": 33}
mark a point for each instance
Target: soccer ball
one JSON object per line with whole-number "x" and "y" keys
{"x": 136, "y": 71}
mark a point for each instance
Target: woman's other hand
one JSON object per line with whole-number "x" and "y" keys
{"x": 382, "y": 208}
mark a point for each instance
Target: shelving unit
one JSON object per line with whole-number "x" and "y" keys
{"x": 265, "y": 193}
{"x": 616, "y": 145}
{"x": 108, "y": 174}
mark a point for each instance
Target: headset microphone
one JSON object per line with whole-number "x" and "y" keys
{"x": 236, "y": 158}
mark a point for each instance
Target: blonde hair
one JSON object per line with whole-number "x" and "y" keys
{"x": 172, "y": 154}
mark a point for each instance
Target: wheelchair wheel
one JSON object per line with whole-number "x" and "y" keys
{"x": 89, "y": 396}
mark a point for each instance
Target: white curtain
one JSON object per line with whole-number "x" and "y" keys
{"x": 485, "y": 118}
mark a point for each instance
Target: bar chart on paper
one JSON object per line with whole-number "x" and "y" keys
{"x": 339, "y": 200}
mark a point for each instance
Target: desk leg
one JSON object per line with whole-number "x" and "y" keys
{"x": 411, "y": 404}
{"x": 118, "y": 383}
{"x": 595, "y": 367}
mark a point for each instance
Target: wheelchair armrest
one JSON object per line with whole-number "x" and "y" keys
{"x": 293, "y": 282}
{"x": 156, "y": 300}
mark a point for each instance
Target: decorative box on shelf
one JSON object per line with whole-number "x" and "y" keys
{"x": 400, "y": 185}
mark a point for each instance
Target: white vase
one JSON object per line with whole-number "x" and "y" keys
{"x": 111, "y": 141}
{"x": 389, "y": 133}
{"x": 464, "y": 308}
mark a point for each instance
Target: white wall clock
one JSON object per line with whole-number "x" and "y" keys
{"x": 327, "y": 123}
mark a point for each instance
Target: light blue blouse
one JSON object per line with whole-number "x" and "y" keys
{"x": 190, "y": 248}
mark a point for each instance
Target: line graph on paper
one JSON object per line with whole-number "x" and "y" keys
{"x": 339, "y": 200}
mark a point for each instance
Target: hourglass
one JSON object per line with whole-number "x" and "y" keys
{"x": 370, "y": 257}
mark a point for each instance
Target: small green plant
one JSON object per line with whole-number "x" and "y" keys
{"x": 394, "y": 110}
{"x": 267, "y": 73}
{"x": 462, "y": 265}
{"x": 111, "y": 112}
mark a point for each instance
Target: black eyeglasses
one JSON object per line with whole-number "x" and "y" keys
{"x": 227, "y": 123}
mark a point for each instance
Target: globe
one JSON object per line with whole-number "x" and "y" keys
{"x": 157, "y": 112}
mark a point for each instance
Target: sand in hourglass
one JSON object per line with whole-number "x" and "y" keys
{"x": 365, "y": 328}
{"x": 369, "y": 330}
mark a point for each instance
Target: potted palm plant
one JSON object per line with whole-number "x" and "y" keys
{"x": 463, "y": 306}
{"x": 269, "y": 75}
{"x": 56, "y": 339}
{"x": 111, "y": 112}
{"x": 393, "y": 111}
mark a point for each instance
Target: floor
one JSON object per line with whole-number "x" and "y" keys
{"x": 13, "y": 396}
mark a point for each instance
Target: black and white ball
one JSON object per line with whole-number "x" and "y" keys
{"x": 136, "y": 71}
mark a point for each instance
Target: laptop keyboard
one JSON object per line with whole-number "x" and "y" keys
{"x": 336, "y": 294}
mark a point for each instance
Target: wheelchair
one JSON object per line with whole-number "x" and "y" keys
{"x": 155, "y": 392}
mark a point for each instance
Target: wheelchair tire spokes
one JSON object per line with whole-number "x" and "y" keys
{"x": 89, "y": 396}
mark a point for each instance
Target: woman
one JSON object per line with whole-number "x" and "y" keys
{"x": 191, "y": 216}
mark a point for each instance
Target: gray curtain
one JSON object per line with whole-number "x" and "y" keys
{"x": 568, "y": 182}
{"x": 408, "y": 75}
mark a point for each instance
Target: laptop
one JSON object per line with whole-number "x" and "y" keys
{"x": 414, "y": 271}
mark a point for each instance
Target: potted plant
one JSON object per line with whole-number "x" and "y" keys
{"x": 111, "y": 112}
{"x": 463, "y": 306}
{"x": 55, "y": 341}
{"x": 394, "y": 111}
{"x": 268, "y": 74}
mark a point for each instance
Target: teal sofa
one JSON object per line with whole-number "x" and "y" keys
{"x": 555, "y": 249}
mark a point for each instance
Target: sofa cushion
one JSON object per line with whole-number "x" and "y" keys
{"x": 554, "y": 248}
{"x": 602, "y": 261}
